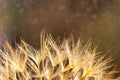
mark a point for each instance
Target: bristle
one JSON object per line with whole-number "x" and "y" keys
{"x": 66, "y": 61}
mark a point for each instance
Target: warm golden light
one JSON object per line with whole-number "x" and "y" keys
{"x": 53, "y": 61}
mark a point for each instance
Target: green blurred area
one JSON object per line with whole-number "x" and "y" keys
{"x": 98, "y": 20}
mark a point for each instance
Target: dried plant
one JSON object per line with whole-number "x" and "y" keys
{"x": 54, "y": 60}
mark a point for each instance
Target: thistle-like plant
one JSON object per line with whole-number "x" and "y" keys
{"x": 55, "y": 60}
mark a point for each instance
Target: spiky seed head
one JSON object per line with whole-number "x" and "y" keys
{"x": 65, "y": 61}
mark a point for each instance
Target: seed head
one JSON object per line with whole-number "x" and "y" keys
{"x": 66, "y": 60}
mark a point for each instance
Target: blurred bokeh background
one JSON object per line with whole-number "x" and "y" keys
{"x": 98, "y": 20}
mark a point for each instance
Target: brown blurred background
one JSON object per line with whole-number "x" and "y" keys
{"x": 98, "y": 20}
